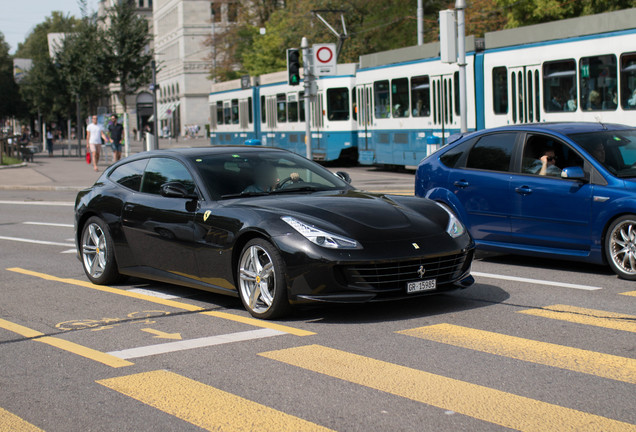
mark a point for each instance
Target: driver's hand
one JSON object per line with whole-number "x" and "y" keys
{"x": 294, "y": 177}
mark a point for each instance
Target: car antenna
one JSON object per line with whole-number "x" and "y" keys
{"x": 598, "y": 119}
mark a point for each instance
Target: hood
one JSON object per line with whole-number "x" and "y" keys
{"x": 363, "y": 216}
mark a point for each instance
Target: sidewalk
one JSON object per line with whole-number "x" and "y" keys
{"x": 71, "y": 173}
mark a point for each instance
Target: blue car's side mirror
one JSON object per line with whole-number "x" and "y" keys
{"x": 573, "y": 173}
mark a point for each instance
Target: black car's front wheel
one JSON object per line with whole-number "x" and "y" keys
{"x": 620, "y": 246}
{"x": 261, "y": 280}
{"x": 97, "y": 252}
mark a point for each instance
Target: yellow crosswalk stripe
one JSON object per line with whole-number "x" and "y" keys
{"x": 72, "y": 347}
{"x": 13, "y": 423}
{"x": 494, "y": 406}
{"x": 629, "y": 293}
{"x": 205, "y": 406}
{"x": 574, "y": 359}
{"x": 593, "y": 317}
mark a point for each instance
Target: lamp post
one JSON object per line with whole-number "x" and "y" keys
{"x": 155, "y": 115}
{"x": 460, "y": 5}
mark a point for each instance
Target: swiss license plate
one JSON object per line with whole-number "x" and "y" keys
{"x": 419, "y": 286}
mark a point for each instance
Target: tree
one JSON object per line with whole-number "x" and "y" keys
{"x": 11, "y": 104}
{"x": 526, "y": 12}
{"x": 127, "y": 37}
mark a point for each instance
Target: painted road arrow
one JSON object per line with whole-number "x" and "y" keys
{"x": 162, "y": 335}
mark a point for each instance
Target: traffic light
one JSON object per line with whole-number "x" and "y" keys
{"x": 293, "y": 66}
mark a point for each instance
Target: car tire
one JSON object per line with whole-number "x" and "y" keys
{"x": 262, "y": 285}
{"x": 620, "y": 246}
{"x": 98, "y": 256}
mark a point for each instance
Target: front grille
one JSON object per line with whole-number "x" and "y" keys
{"x": 394, "y": 275}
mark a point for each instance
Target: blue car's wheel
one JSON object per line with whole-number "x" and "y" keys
{"x": 620, "y": 246}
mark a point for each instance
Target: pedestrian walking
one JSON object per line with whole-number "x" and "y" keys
{"x": 94, "y": 134}
{"x": 116, "y": 131}
{"x": 49, "y": 142}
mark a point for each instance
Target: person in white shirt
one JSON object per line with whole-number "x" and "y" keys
{"x": 94, "y": 134}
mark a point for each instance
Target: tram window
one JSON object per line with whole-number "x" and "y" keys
{"x": 338, "y": 104}
{"x": 235, "y": 111}
{"x": 421, "y": 96}
{"x": 250, "y": 113}
{"x": 628, "y": 81}
{"x": 513, "y": 87}
{"x": 537, "y": 95}
{"x": 301, "y": 101}
{"x": 559, "y": 85}
{"x": 354, "y": 105}
{"x": 219, "y": 112}
{"x": 281, "y": 107}
{"x": 500, "y": 90}
{"x": 381, "y": 101}
{"x": 263, "y": 110}
{"x": 598, "y": 83}
{"x": 456, "y": 92}
{"x": 400, "y": 97}
{"x": 292, "y": 108}
{"x": 227, "y": 115}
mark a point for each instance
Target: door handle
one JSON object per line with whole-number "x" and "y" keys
{"x": 461, "y": 184}
{"x": 523, "y": 190}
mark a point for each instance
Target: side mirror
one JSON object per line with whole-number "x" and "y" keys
{"x": 176, "y": 190}
{"x": 344, "y": 176}
{"x": 573, "y": 173}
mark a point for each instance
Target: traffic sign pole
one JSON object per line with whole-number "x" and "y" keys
{"x": 308, "y": 78}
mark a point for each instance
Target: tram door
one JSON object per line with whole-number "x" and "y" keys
{"x": 525, "y": 91}
{"x": 365, "y": 115}
{"x": 443, "y": 109}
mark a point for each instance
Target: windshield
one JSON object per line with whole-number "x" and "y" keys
{"x": 615, "y": 150}
{"x": 245, "y": 174}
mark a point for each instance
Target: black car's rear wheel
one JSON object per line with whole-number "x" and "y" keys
{"x": 97, "y": 252}
{"x": 261, "y": 280}
{"x": 620, "y": 246}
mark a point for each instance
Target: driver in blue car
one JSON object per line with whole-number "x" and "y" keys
{"x": 546, "y": 164}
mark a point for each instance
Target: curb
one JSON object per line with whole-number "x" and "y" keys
{"x": 44, "y": 188}
{"x": 20, "y": 165}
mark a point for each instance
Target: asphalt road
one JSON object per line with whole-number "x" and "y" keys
{"x": 534, "y": 345}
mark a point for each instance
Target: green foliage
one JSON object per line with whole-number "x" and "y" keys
{"x": 10, "y": 103}
{"x": 526, "y": 12}
{"x": 127, "y": 39}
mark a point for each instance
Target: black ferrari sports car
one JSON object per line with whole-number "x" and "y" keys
{"x": 266, "y": 225}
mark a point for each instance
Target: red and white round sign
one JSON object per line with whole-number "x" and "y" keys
{"x": 324, "y": 54}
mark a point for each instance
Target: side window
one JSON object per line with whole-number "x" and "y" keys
{"x": 421, "y": 96}
{"x": 235, "y": 111}
{"x": 281, "y": 107}
{"x": 381, "y": 101}
{"x": 456, "y": 92}
{"x": 598, "y": 83}
{"x": 545, "y": 155}
{"x": 628, "y": 81}
{"x": 338, "y": 104}
{"x": 227, "y": 114}
{"x": 164, "y": 170}
{"x": 451, "y": 157}
{"x": 492, "y": 152}
{"x": 292, "y": 107}
{"x": 250, "y": 113}
{"x": 219, "y": 112}
{"x": 129, "y": 175}
{"x": 263, "y": 117}
{"x": 559, "y": 86}
{"x": 400, "y": 97}
{"x": 301, "y": 105}
{"x": 500, "y": 90}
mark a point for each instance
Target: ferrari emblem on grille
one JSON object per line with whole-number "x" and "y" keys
{"x": 421, "y": 271}
{"x": 206, "y": 215}
{"x": 415, "y": 246}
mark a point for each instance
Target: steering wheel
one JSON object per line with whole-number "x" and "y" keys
{"x": 286, "y": 180}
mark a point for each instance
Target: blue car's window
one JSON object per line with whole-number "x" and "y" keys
{"x": 492, "y": 152}
{"x": 545, "y": 155}
{"x": 615, "y": 150}
{"x": 129, "y": 174}
{"x": 163, "y": 170}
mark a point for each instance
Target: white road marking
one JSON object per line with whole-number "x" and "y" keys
{"x": 154, "y": 293}
{"x": 42, "y": 242}
{"x": 195, "y": 343}
{"x": 69, "y": 251}
{"x": 40, "y": 203}
{"x": 536, "y": 281}
{"x": 49, "y": 224}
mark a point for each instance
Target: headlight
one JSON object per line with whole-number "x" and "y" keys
{"x": 454, "y": 228}
{"x": 320, "y": 237}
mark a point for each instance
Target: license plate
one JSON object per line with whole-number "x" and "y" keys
{"x": 419, "y": 286}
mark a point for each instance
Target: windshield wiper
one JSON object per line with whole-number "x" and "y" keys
{"x": 244, "y": 194}
{"x": 299, "y": 189}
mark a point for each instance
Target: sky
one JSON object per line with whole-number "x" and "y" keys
{"x": 19, "y": 17}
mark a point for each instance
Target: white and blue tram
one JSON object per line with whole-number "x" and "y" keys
{"x": 273, "y": 112}
{"x": 397, "y": 107}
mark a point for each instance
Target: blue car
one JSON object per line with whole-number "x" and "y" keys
{"x": 562, "y": 190}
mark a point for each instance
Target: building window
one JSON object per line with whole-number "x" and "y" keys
{"x": 215, "y": 10}
{"x": 232, "y": 12}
